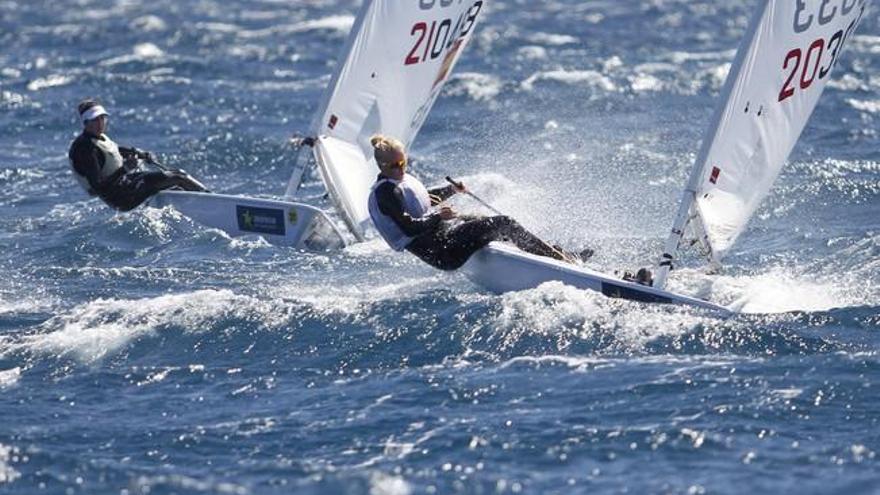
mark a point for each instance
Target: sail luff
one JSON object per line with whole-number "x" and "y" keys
{"x": 299, "y": 171}
{"x": 688, "y": 197}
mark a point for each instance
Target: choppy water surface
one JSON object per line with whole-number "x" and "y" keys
{"x": 142, "y": 353}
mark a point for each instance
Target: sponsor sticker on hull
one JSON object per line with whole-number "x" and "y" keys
{"x": 260, "y": 220}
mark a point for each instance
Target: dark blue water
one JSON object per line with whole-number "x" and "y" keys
{"x": 142, "y": 353}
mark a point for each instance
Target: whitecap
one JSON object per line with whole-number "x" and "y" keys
{"x": 863, "y": 43}
{"x": 178, "y": 482}
{"x": 531, "y": 52}
{"x": 147, "y": 50}
{"x": 593, "y": 79}
{"x": 49, "y": 82}
{"x": 869, "y": 106}
{"x": 552, "y": 39}
{"x": 9, "y": 377}
{"x": 386, "y": 484}
{"x": 340, "y": 24}
{"x": 850, "y": 82}
{"x": 641, "y": 83}
{"x": 779, "y": 291}
{"x": 567, "y": 314}
{"x": 7, "y": 473}
{"x": 148, "y": 24}
{"x": 93, "y": 330}
{"x": 716, "y": 75}
{"x": 682, "y": 57}
{"x": 479, "y": 87}
{"x": 612, "y": 63}
{"x": 10, "y": 73}
{"x": 218, "y": 27}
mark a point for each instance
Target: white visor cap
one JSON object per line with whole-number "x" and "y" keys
{"x": 93, "y": 113}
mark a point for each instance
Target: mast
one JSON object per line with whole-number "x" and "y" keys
{"x": 297, "y": 176}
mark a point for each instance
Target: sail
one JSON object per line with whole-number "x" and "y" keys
{"x": 398, "y": 57}
{"x": 778, "y": 76}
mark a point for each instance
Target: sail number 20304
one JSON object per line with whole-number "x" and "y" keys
{"x": 431, "y": 40}
{"x": 809, "y": 64}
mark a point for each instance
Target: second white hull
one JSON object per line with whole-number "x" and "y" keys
{"x": 279, "y": 222}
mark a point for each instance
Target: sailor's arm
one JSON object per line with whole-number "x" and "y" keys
{"x": 441, "y": 194}
{"x": 391, "y": 204}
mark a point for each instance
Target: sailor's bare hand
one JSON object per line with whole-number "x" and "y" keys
{"x": 447, "y": 213}
{"x": 460, "y": 187}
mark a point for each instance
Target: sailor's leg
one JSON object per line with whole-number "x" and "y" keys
{"x": 134, "y": 188}
{"x": 510, "y": 230}
{"x": 464, "y": 239}
{"x": 174, "y": 178}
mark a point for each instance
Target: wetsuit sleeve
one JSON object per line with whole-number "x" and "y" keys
{"x": 128, "y": 153}
{"x": 391, "y": 204}
{"x": 87, "y": 161}
{"x": 441, "y": 194}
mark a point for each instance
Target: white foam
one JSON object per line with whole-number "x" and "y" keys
{"x": 338, "y": 24}
{"x": 94, "y": 330}
{"x": 565, "y": 314}
{"x": 12, "y": 99}
{"x": 10, "y": 377}
{"x": 149, "y": 24}
{"x": 479, "y": 87}
{"x": 356, "y": 298}
{"x": 779, "y": 291}
{"x": 386, "y": 484}
{"x": 140, "y": 52}
{"x": 641, "y": 83}
{"x": 147, "y": 50}
{"x": 869, "y": 106}
{"x": 7, "y": 455}
{"x": 863, "y": 43}
{"x": 552, "y": 39}
{"x": 49, "y": 82}
{"x": 531, "y": 52}
{"x": 593, "y": 79}
{"x": 682, "y": 57}
{"x": 147, "y": 484}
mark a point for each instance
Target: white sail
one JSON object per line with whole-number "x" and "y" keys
{"x": 778, "y": 75}
{"x": 398, "y": 57}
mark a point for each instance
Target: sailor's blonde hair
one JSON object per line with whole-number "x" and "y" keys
{"x": 386, "y": 150}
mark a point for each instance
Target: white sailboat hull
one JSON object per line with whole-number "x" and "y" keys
{"x": 500, "y": 268}
{"x": 279, "y": 222}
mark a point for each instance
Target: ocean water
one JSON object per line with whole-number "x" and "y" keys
{"x": 142, "y": 353}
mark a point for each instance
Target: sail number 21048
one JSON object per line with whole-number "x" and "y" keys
{"x": 431, "y": 40}
{"x": 817, "y": 60}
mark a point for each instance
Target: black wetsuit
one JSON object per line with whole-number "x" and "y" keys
{"x": 449, "y": 244}
{"x": 125, "y": 187}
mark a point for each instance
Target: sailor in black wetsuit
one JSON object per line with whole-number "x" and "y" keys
{"x": 111, "y": 172}
{"x": 402, "y": 211}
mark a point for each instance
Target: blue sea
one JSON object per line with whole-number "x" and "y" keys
{"x": 142, "y": 353}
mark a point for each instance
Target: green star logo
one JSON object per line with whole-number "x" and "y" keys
{"x": 248, "y": 219}
{"x": 292, "y": 216}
